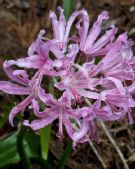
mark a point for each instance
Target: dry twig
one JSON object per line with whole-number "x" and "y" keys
{"x": 114, "y": 144}
{"x": 97, "y": 154}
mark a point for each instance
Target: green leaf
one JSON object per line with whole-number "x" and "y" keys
{"x": 33, "y": 141}
{"x": 8, "y": 150}
{"x": 97, "y": 60}
{"x": 6, "y": 109}
{"x": 68, "y": 7}
{"x": 21, "y": 149}
{"x": 65, "y": 155}
{"x": 44, "y": 139}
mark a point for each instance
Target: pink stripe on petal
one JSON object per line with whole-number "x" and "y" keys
{"x": 118, "y": 84}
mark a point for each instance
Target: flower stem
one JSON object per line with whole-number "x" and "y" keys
{"x": 20, "y": 148}
{"x": 68, "y": 7}
{"x": 65, "y": 155}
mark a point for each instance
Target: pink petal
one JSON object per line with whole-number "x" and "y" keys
{"x": 33, "y": 61}
{"x": 88, "y": 94}
{"x": 10, "y": 73}
{"x": 84, "y": 28}
{"x": 95, "y": 31}
{"x": 82, "y": 132}
{"x": 46, "y": 98}
{"x": 118, "y": 84}
{"x": 54, "y": 19}
{"x": 14, "y": 89}
{"x": 40, "y": 123}
{"x": 70, "y": 22}
{"x": 20, "y": 107}
{"x": 61, "y": 24}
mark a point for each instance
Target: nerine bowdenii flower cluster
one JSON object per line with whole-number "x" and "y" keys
{"x": 92, "y": 73}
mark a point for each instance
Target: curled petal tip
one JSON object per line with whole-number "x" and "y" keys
{"x": 84, "y": 12}
{"x": 26, "y": 123}
{"x": 114, "y": 28}
{"x": 11, "y": 120}
{"x": 51, "y": 14}
{"x": 74, "y": 145}
{"x": 41, "y": 33}
{"x": 8, "y": 63}
{"x": 60, "y": 9}
{"x": 105, "y": 15}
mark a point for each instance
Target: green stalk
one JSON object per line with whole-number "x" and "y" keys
{"x": 43, "y": 163}
{"x": 45, "y": 139}
{"x": 68, "y": 7}
{"x": 20, "y": 148}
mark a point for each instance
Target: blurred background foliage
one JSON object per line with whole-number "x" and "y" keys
{"x": 20, "y": 21}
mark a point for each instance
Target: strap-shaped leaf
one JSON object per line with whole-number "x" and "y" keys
{"x": 45, "y": 138}
{"x": 68, "y": 7}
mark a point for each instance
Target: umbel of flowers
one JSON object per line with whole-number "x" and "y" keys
{"x": 86, "y": 66}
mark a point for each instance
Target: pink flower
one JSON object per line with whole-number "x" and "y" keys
{"x": 62, "y": 111}
{"x": 87, "y": 89}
